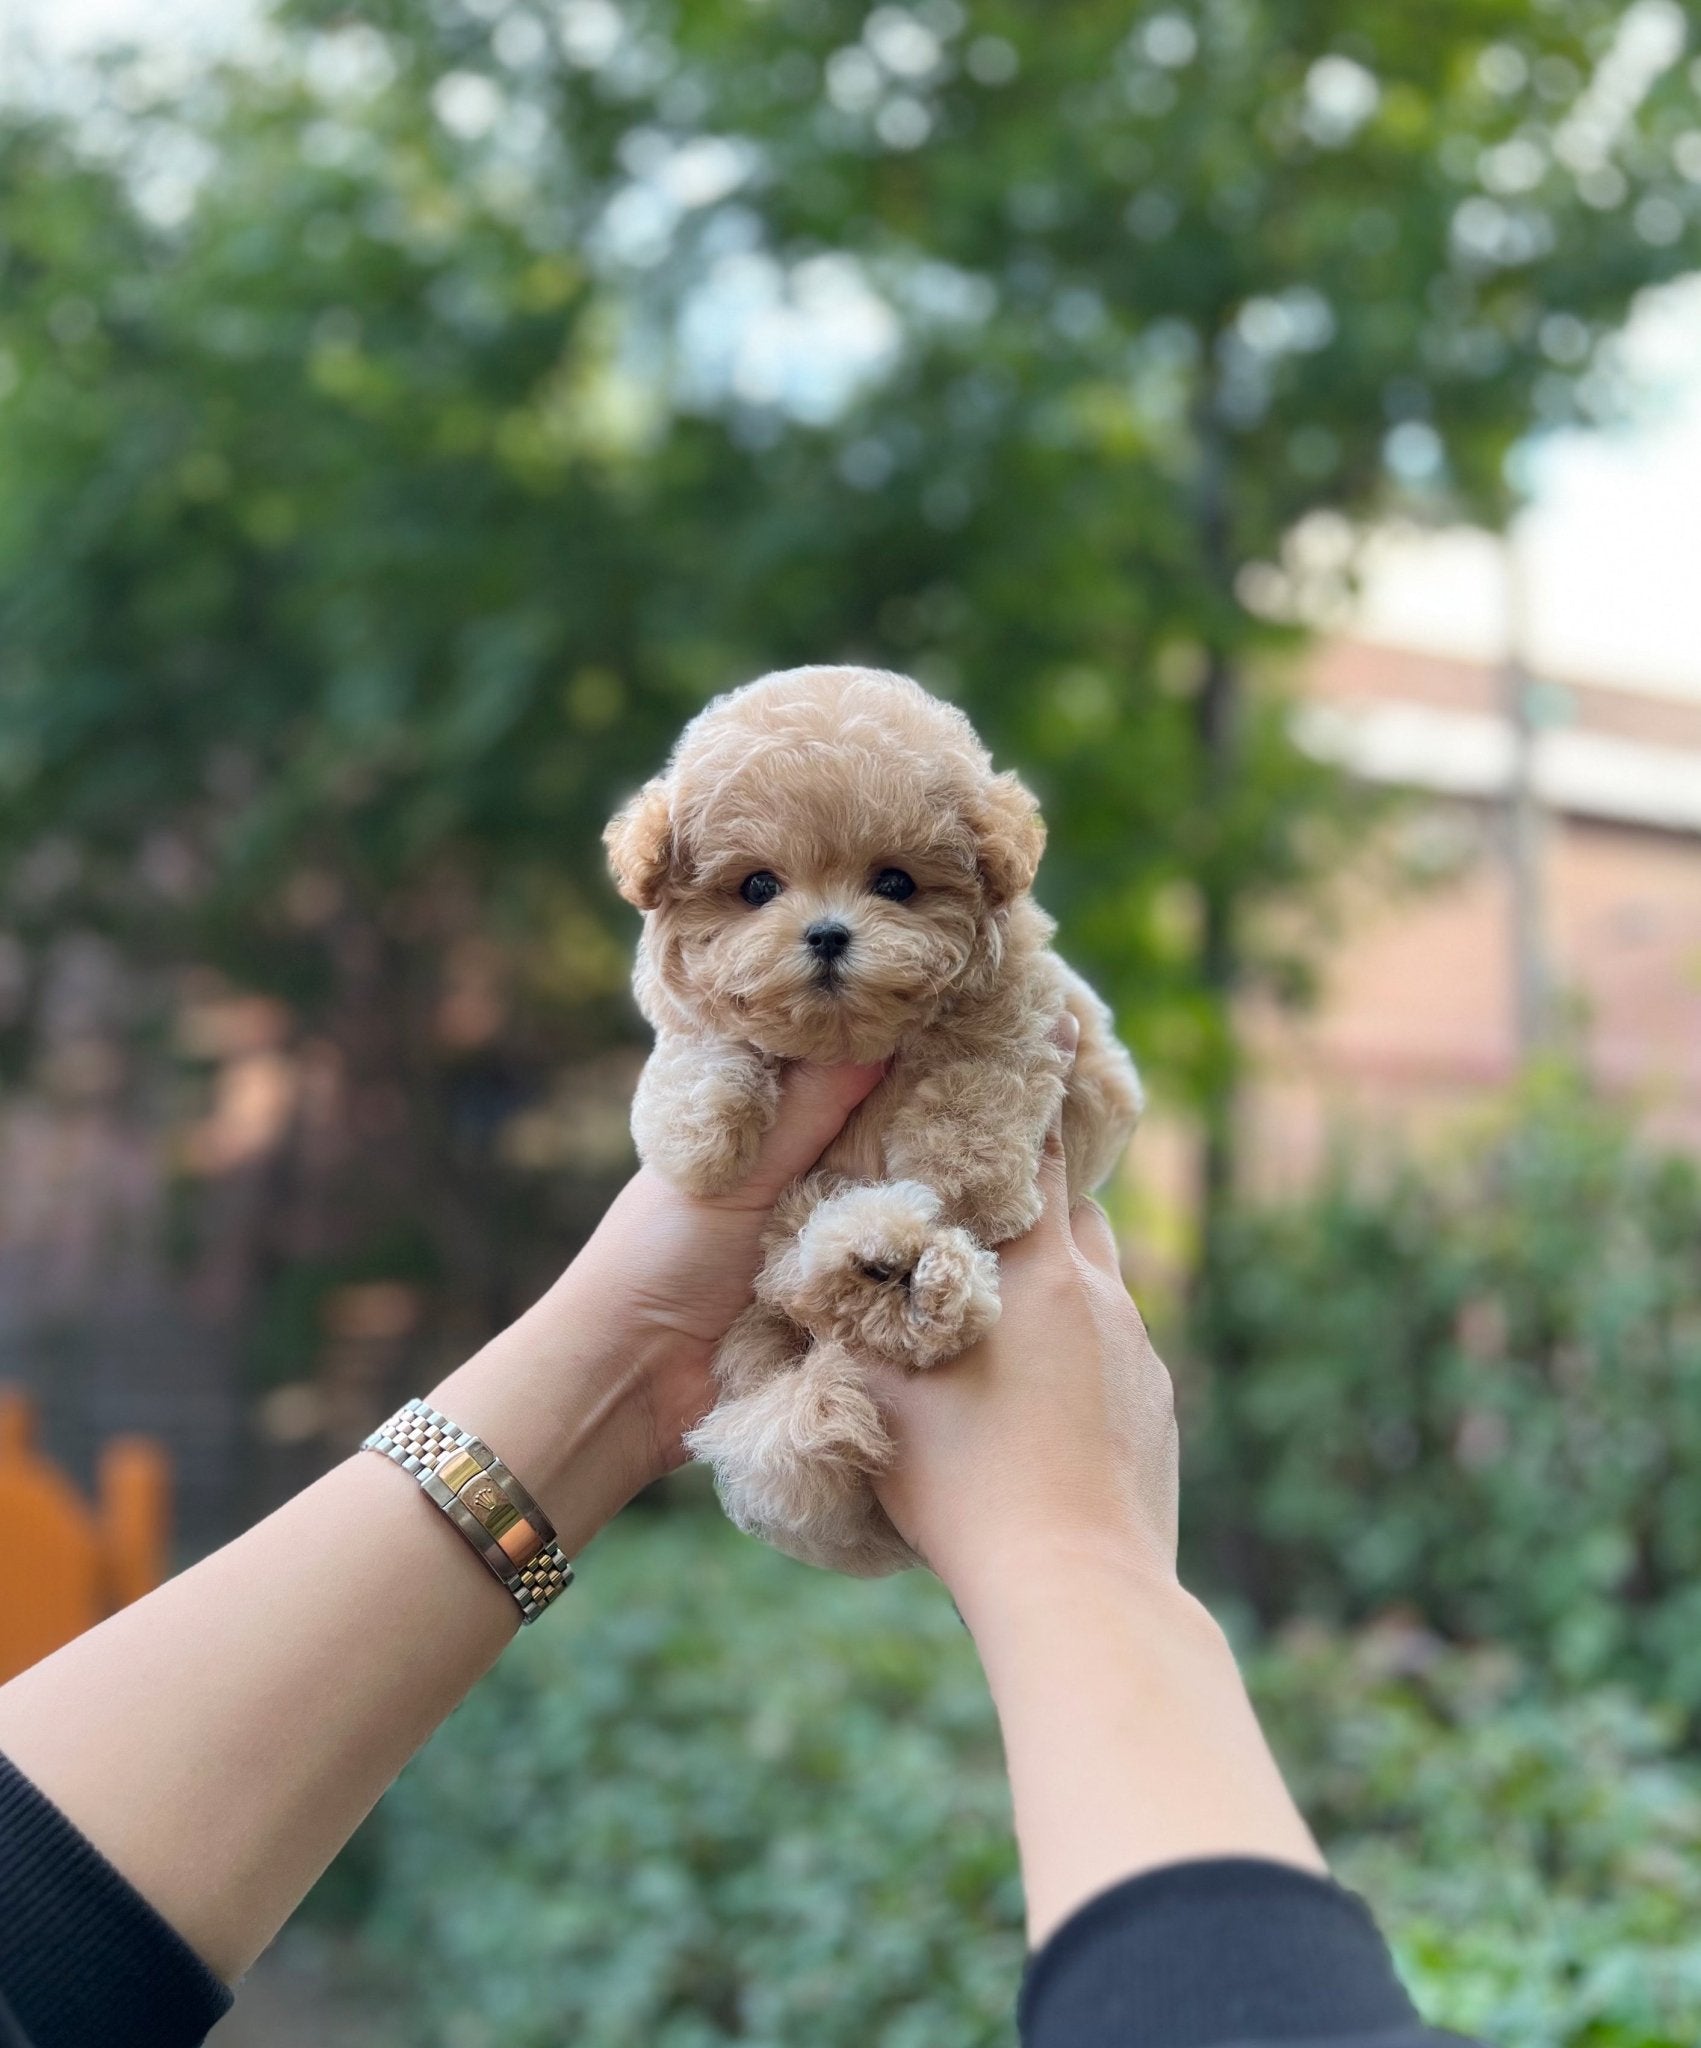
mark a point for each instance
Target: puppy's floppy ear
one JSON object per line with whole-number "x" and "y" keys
{"x": 1007, "y": 823}
{"x": 639, "y": 839}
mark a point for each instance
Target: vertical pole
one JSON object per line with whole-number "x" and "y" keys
{"x": 1219, "y": 714}
{"x": 1217, "y": 722}
{"x": 1526, "y": 825}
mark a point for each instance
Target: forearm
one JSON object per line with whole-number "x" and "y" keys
{"x": 268, "y": 1696}
{"x": 220, "y": 1739}
{"x": 1127, "y": 1730}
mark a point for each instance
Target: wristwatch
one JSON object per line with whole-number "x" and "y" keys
{"x": 492, "y": 1510}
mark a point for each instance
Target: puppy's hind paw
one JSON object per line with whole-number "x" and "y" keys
{"x": 792, "y": 1458}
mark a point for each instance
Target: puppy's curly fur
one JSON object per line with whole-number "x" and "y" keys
{"x": 830, "y": 870}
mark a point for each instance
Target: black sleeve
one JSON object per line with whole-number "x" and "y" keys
{"x": 1204, "y": 1955}
{"x": 85, "y": 1961}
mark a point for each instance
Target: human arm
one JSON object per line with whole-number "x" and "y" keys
{"x": 1174, "y": 1892}
{"x": 219, "y": 1740}
{"x": 1039, "y": 1477}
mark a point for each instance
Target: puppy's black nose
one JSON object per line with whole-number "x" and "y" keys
{"x": 827, "y": 940}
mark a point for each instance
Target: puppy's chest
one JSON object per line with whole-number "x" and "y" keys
{"x": 861, "y": 1150}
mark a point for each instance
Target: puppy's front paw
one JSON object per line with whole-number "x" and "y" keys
{"x": 703, "y": 1127}
{"x": 878, "y": 1271}
{"x": 953, "y": 1297}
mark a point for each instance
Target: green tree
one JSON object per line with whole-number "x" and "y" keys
{"x": 1238, "y": 265}
{"x": 392, "y": 459}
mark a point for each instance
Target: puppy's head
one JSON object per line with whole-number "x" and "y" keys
{"x": 825, "y": 863}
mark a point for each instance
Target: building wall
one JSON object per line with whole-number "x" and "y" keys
{"x": 1417, "y": 1025}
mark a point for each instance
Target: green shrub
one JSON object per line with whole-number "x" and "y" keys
{"x": 1477, "y": 1394}
{"x": 725, "y": 1799}
{"x": 1535, "y": 1861}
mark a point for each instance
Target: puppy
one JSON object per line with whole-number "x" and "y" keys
{"x": 830, "y": 870}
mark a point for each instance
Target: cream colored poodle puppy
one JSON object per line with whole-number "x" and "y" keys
{"x": 830, "y": 870}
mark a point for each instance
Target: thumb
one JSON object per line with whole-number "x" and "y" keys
{"x": 814, "y": 1103}
{"x": 1053, "y": 1168}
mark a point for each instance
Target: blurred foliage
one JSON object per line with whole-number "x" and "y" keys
{"x": 1534, "y": 1854}
{"x": 1478, "y": 1394}
{"x": 733, "y": 1800}
{"x": 408, "y": 422}
{"x": 730, "y": 1799}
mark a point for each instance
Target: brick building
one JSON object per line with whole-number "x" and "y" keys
{"x": 1419, "y": 1017}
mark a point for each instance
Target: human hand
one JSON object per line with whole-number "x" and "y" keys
{"x": 674, "y": 1269}
{"x": 590, "y": 1392}
{"x": 1055, "y": 1434}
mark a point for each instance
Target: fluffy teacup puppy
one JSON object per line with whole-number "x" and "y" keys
{"x": 830, "y": 870}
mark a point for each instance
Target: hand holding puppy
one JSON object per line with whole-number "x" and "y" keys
{"x": 1054, "y": 1438}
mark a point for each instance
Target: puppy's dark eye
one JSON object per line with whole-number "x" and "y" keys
{"x": 761, "y": 887}
{"x": 894, "y": 885}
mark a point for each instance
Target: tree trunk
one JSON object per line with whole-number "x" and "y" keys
{"x": 1218, "y": 711}
{"x": 1217, "y": 720}
{"x": 1525, "y": 828}
{"x": 1217, "y": 726}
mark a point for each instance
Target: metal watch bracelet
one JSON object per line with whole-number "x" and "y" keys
{"x": 492, "y": 1510}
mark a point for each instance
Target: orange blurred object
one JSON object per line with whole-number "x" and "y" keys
{"x": 63, "y": 1563}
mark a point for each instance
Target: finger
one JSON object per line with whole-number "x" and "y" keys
{"x": 1094, "y": 1238}
{"x": 814, "y": 1103}
{"x": 1053, "y": 1168}
{"x": 1065, "y": 1034}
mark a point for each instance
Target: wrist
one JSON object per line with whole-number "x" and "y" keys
{"x": 1018, "y": 1561}
{"x": 563, "y": 1396}
{"x": 1011, "y": 1586}
{"x": 1130, "y": 1738}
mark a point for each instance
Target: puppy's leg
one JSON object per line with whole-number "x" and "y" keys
{"x": 973, "y": 1131}
{"x": 793, "y": 1452}
{"x": 793, "y": 1438}
{"x": 701, "y": 1111}
{"x": 873, "y": 1267}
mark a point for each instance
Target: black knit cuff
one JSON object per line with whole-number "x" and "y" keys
{"x": 85, "y": 1961}
{"x": 1230, "y": 1950}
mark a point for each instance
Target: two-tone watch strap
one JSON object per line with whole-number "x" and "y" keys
{"x": 492, "y": 1510}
